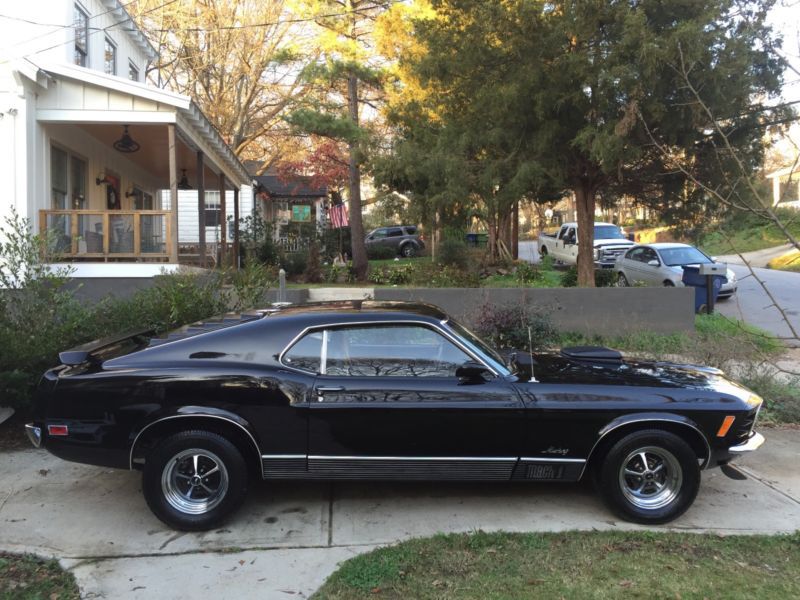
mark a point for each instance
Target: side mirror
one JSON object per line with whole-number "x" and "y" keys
{"x": 471, "y": 372}
{"x": 654, "y": 263}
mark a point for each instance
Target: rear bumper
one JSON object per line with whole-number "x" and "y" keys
{"x": 753, "y": 443}
{"x": 34, "y": 434}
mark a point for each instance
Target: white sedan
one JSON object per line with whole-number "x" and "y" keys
{"x": 662, "y": 264}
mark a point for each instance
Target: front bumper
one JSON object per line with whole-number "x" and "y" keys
{"x": 34, "y": 434}
{"x": 753, "y": 443}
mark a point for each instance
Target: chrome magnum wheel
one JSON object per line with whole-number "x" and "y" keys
{"x": 622, "y": 281}
{"x": 649, "y": 476}
{"x": 194, "y": 479}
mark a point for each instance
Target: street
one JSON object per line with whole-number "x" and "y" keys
{"x": 750, "y": 304}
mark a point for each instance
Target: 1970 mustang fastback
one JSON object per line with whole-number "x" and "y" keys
{"x": 368, "y": 390}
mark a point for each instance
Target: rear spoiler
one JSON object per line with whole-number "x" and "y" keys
{"x": 84, "y": 352}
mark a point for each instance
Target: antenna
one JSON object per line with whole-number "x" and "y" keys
{"x": 530, "y": 352}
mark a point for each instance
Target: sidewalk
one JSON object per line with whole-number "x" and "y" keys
{"x": 757, "y": 258}
{"x": 288, "y": 537}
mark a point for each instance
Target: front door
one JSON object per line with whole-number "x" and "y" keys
{"x": 388, "y": 404}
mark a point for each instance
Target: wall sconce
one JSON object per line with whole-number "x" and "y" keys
{"x": 130, "y": 192}
{"x": 102, "y": 179}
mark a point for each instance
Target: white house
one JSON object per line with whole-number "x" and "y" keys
{"x": 91, "y": 152}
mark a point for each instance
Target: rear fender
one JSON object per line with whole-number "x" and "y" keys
{"x": 197, "y": 413}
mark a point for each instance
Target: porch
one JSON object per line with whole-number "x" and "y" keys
{"x": 133, "y": 174}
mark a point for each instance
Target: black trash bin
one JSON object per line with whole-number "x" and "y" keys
{"x": 692, "y": 278}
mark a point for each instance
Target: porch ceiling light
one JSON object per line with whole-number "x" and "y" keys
{"x": 126, "y": 143}
{"x": 183, "y": 184}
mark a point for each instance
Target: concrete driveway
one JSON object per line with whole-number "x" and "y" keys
{"x": 288, "y": 537}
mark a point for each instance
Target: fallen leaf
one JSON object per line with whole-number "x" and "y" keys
{"x": 626, "y": 583}
{"x": 375, "y": 590}
{"x": 44, "y": 472}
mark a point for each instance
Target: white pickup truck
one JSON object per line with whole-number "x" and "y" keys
{"x": 609, "y": 243}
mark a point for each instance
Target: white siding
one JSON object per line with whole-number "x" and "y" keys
{"x": 188, "y": 217}
{"x": 42, "y": 30}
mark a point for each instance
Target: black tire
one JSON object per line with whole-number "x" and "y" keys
{"x": 543, "y": 252}
{"x": 167, "y": 482}
{"x": 408, "y": 250}
{"x": 671, "y": 462}
{"x": 668, "y": 283}
{"x": 622, "y": 281}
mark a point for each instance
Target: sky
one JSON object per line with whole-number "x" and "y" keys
{"x": 785, "y": 17}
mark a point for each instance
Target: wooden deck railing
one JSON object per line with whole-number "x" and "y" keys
{"x": 103, "y": 234}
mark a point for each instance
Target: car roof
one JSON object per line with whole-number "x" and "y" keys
{"x": 367, "y": 308}
{"x": 574, "y": 224}
{"x": 666, "y": 245}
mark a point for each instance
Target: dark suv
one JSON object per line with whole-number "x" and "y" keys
{"x": 403, "y": 239}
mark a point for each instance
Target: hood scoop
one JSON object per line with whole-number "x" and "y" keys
{"x": 592, "y": 354}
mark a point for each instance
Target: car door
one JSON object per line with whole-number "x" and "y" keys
{"x": 388, "y": 404}
{"x": 651, "y": 273}
{"x": 377, "y": 238}
{"x": 633, "y": 266}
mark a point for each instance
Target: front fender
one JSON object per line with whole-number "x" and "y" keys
{"x": 656, "y": 418}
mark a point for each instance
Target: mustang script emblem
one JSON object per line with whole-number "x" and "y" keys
{"x": 552, "y": 450}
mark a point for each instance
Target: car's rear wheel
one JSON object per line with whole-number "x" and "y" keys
{"x": 668, "y": 283}
{"x": 194, "y": 479}
{"x": 543, "y": 251}
{"x": 622, "y": 281}
{"x": 649, "y": 477}
{"x": 408, "y": 250}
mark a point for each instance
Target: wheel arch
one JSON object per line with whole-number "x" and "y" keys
{"x": 681, "y": 426}
{"x": 229, "y": 426}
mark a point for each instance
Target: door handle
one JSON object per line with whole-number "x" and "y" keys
{"x": 322, "y": 390}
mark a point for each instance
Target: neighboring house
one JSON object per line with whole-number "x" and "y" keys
{"x": 289, "y": 204}
{"x": 786, "y": 187}
{"x": 94, "y": 154}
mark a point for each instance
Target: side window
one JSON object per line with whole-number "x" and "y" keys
{"x": 648, "y": 254}
{"x": 636, "y": 254}
{"x": 562, "y": 233}
{"x": 391, "y": 351}
{"x": 380, "y": 233}
{"x": 306, "y": 353}
{"x": 395, "y": 232}
{"x": 411, "y": 230}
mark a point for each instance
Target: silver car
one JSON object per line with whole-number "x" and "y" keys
{"x": 662, "y": 264}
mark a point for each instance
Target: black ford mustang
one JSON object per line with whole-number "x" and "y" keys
{"x": 367, "y": 390}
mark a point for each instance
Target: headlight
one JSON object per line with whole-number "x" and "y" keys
{"x": 597, "y": 253}
{"x": 730, "y": 275}
{"x": 754, "y": 400}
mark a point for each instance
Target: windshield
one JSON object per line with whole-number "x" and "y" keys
{"x": 479, "y": 347}
{"x": 674, "y": 257}
{"x": 608, "y": 232}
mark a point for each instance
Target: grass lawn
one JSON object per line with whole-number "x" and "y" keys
{"x": 26, "y": 577}
{"x": 573, "y": 565}
{"x": 756, "y": 237}
{"x": 788, "y": 262}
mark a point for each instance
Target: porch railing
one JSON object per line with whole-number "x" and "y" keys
{"x": 104, "y": 234}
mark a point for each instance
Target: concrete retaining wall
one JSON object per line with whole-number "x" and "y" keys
{"x": 604, "y": 311}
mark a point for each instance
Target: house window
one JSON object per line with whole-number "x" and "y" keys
{"x": 67, "y": 180}
{"x": 141, "y": 199}
{"x": 80, "y": 22}
{"x": 133, "y": 72}
{"x": 212, "y": 209}
{"x": 110, "y": 57}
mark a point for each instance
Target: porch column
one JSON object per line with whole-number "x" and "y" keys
{"x": 236, "y": 260}
{"x": 201, "y": 209}
{"x": 173, "y": 195}
{"x": 223, "y": 220}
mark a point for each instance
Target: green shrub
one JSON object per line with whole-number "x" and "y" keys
{"x": 506, "y": 327}
{"x": 313, "y": 271}
{"x": 380, "y": 252}
{"x": 401, "y": 274}
{"x": 250, "y": 285}
{"x": 294, "y": 263}
{"x": 547, "y": 263}
{"x": 602, "y": 277}
{"x": 526, "y": 273}
{"x": 453, "y": 252}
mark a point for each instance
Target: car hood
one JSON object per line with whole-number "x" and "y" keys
{"x": 617, "y": 243}
{"x": 553, "y": 367}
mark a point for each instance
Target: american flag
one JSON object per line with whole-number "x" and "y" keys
{"x": 338, "y": 216}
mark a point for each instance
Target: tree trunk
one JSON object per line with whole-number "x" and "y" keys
{"x": 515, "y": 231}
{"x": 360, "y": 264}
{"x": 585, "y": 200}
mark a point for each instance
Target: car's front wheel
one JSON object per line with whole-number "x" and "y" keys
{"x": 194, "y": 479}
{"x": 622, "y": 281}
{"x": 650, "y": 477}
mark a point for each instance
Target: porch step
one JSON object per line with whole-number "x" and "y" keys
{"x": 343, "y": 293}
